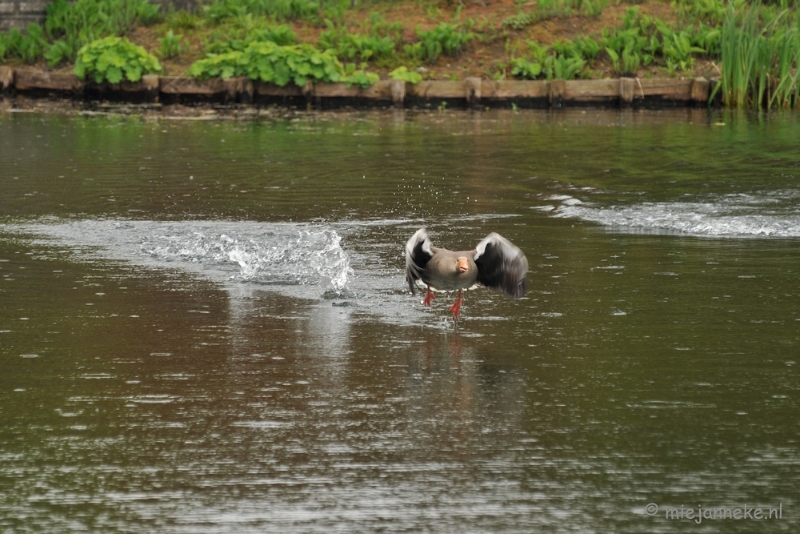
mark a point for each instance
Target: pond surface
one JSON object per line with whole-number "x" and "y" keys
{"x": 205, "y": 325}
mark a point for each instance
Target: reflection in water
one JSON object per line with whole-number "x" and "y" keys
{"x": 170, "y": 365}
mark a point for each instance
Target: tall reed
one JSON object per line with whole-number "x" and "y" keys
{"x": 760, "y": 59}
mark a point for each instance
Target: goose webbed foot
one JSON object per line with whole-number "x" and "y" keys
{"x": 456, "y": 307}
{"x": 428, "y": 298}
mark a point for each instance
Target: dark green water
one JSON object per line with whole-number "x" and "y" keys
{"x": 205, "y": 326}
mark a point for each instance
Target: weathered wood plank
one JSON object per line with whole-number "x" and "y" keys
{"x": 437, "y": 89}
{"x": 667, "y": 88}
{"x": 591, "y": 90}
{"x": 701, "y": 89}
{"x": 270, "y": 89}
{"x": 626, "y": 91}
{"x": 381, "y": 90}
{"x": 398, "y": 90}
{"x": 32, "y": 79}
{"x": 240, "y": 87}
{"x": 472, "y": 86}
{"x": 507, "y": 89}
{"x": 173, "y": 85}
{"x": 148, "y": 84}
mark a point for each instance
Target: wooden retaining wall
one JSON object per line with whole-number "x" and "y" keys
{"x": 470, "y": 92}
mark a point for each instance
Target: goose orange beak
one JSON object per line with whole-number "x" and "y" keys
{"x": 463, "y": 265}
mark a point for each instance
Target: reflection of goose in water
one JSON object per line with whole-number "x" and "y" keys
{"x": 495, "y": 263}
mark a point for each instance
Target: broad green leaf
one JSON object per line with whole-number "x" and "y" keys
{"x": 114, "y": 74}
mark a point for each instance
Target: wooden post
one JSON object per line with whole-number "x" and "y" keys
{"x": 556, "y": 89}
{"x": 150, "y": 86}
{"x": 626, "y": 88}
{"x": 247, "y": 91}
{"x": 6, "y": 78}
{"x": 239, "y": 89}
{"x": 472, "y": 87}
{"x": 308, "y": 92}
{"x": 398, "y": 88}
{"x": 701, "y": 88}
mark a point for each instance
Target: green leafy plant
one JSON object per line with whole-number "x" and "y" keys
{"x": 677, "y": 49}
{"x": 633, "y": 46}
{"x": 525, "y": 69}
{"x": 245, "y": 30}
{"x": 564, "y": 60}
{"x": 377, "y": 25}
{"x": 58, "y": 52}
{"x": 269, "y": 62}
{"x": 113, "y": 59}
{"x": 444, "y": 38}
{"x": 404, "y": 75}
{"x": 582, "y": 47}
{"x": 357, "y": 46}
{"x": 359, "y": 77}
{"x": 707, "y": 38}
{"x": 30, "y": 46}
{"x": 225, "y": 65}
{"x": 560, "y": 67}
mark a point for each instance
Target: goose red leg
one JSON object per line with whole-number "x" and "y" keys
{"x": 428, "y": 297}
{"x": 456, "y": 308}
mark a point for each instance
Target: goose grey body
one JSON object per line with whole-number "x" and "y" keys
{"x": 494, "y": 263}
{"x": 442, "y": 272}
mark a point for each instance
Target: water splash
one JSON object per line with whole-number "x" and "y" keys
{"x": 290, "y": 257}
{"x": 769, "y": 214}
{"x": 277, "y": 254}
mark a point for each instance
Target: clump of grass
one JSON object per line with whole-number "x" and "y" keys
{"x": 182, "y": 21}
{"x": 519, "y": 21}
{"x": 70, "y": 25}
{"x": 27, "y": 46}
{"x": 219, "y": 10}
{"x": 171, "y": 45}
{"x": 547, "y": 9}
{"x": 710, "y": 11}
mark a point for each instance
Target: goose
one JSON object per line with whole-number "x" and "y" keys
{"x": 495, "y": 263}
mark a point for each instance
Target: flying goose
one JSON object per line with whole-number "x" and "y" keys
{"x": 494, "y": 263}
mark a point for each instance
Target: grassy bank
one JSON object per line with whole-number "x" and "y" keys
{"x": 753, "y": 48}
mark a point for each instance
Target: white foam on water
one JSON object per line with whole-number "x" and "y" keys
{"x": 772, "y": 214}
{"x": 225, "y": 251}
